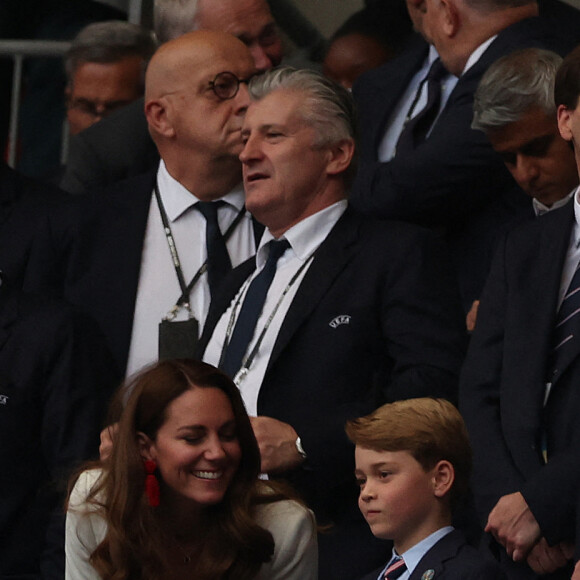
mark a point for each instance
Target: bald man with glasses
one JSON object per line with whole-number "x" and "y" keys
{"x": 145, "y": 256}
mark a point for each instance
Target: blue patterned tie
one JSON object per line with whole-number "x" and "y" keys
{"x": 251, "y": 310}
{"x": 395, "y": 568}
{"x": 218, "y": 259}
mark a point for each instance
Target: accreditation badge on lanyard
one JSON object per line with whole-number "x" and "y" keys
{"x": 178, "y": 338}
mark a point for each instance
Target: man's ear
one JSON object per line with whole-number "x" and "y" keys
{"x": 565, "y": 122}
{"x": 443, "y": 478}
{"x": 159, "y": 117}
{"x": 341, "y": 157}
{"x": 146, "y": 447}
{"x": 450, "y": 17}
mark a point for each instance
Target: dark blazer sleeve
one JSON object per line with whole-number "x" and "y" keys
{"x": 405, "y": 339}
{"x": 451, "y": 174}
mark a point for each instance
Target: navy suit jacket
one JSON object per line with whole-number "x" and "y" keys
{"x": 89, "y": 253}
{"x": 504, "y": 377}
{"x": 401, "y": 336}
{"x": 453, "y": 181}
{"x": 451, "y": 558}
{"x": 55, "y": 383}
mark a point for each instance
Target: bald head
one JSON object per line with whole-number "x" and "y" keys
{"x": 171, "y": 66}
{"x": 196, "y": 127}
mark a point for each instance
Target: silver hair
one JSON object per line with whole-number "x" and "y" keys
{"x": 514, "y": 84}
{"x": 106, "y": 42}
{"x": 172, "y": 18}
{"x": 327, "y": 107}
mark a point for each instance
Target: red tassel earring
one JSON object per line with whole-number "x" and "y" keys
{"x": 151, "y": 483}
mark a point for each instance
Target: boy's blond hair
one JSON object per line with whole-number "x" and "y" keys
{"x": 430, "y": 429}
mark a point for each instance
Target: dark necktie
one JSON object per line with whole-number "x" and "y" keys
{"x": 567, "y": 329}
{"x": 251, "y": 309}
{"x": 218, "y": 259}
{"x": 395, "y": 568}
{"x": 416, "y": 129}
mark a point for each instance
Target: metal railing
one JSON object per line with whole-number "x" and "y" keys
{"x": 139, "y": 12}
{"x": 18, "y": 51}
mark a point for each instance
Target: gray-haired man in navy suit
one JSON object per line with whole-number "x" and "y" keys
{"x": 357, "y": 312}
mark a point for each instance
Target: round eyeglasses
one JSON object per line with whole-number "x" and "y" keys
{"x": 226, "y": 85}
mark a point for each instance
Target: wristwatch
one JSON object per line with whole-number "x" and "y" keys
{"x": 299, "y": 448}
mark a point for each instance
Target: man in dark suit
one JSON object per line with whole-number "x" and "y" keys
{"x": 139, "y": 258}
{"x": 358, "y": 312}
{"x": 519, "y": 390}
{"x": 121, "y": 147}
{"x": 55, "y": 382}
{"x": 514, "y": 106}
{"x": 23, "y": 203}
{"x": 446, "y": 175}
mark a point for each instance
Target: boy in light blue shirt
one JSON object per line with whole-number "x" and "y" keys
{"x": 413, "y": 462}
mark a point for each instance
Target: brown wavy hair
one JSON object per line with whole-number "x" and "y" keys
{"x": 233, "y": 545}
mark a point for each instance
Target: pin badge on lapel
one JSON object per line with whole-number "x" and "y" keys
{"x": 428, "y": 574}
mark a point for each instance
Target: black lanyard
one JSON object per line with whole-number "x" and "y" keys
{"x": 186, "y": 289}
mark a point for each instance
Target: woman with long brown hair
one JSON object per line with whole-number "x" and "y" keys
{"x": 179, "y": 496}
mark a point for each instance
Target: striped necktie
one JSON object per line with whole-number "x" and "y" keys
{"x": 567, "y": 328}
{"x": 395, "y": 568}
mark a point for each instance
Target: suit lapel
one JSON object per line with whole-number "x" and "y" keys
{"x": 329, "y": 260}
{"x": 432, "y": 564}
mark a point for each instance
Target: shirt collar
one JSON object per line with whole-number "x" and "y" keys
{"x": 576, "y": 232}
{"x": 306, "y": 235}
{"x": 177, "y": 199}
{"x": 541, "y": 209}
{"x": 476, "y": 54}
{"x": 432, "y": 56}
{"x": 413, "y": 555}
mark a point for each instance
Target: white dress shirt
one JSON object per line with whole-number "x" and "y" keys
{"x": 158, "y": 288}
{"x": 304, "y": 239}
